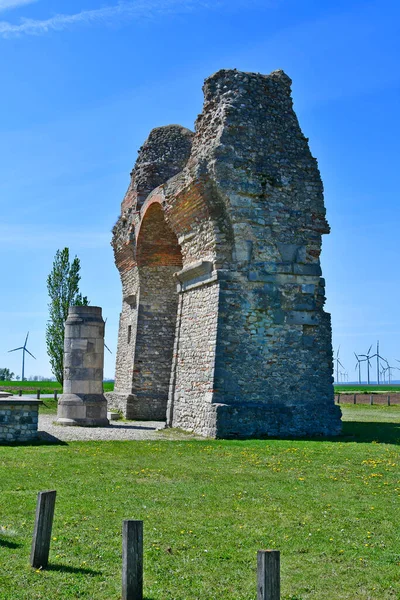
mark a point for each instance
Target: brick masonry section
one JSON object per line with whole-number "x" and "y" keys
{"x": 218, "y": 244}
{"x": 18, "y": 420}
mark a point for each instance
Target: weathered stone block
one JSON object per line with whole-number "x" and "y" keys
{"x": 307, "y": 269}
{"x": 302, "y": 318}
{"x": 288, "y": 252}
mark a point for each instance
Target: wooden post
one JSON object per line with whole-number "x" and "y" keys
{"x": 38, "y": 394}
{"x": 42, "y": 533}
{"x": 55, "y": 395}
{"x": 268, "y": 575}
{"x": 388, "y": 400}
{"x": 338, "y": 398}
{"x": 371, "y": 399}
{"x": 355, "y": 399}
{"x": 20, "y": 393}
{"x": 132, "y": 560}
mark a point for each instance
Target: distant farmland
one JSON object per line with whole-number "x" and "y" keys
{"x": 45, "y": 387}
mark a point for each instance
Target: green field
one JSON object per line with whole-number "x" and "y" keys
{"x": 365, "y": 389}
{"x": 331, "y": 507}
{"x": 48, "y": 387}
{"x": 45, "y": 387}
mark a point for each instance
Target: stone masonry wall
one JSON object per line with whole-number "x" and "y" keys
{"x": 154, "y": 343}
{"x": 18, "y": 420}
{"x": 244, "y": 215}
{"x": 193, "y": 379}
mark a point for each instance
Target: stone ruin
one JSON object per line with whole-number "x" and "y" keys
{"x": 82, "y": 402}
{"x": 222, "y": 330}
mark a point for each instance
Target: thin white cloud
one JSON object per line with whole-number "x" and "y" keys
{"x": 9, "y": 4}
{"x": 123, "y": 10}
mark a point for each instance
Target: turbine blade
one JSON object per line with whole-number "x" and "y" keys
{"x": 15, "y": 349}
{"x": 369, "y": 349}
{"x": 30, "y": 353}
{"x": 105, "y": 345}
{"x": 26, "y": 339}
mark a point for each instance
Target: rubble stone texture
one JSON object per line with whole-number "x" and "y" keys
{"x": 222, "y": 325}
{"x": 18, "y": 420}
{"x": 82, "y": 402}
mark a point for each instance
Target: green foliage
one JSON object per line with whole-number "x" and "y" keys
{"x": 6, "y": 374}
{"x": 63, "y": 289}
{"x": 331, "y": 507}
{"x": 365, "y": 389}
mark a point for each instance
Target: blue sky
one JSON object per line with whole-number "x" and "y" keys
{"x": 83, "y": 83}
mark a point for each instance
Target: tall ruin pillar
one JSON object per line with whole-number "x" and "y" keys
{"x": 83, "y": 402}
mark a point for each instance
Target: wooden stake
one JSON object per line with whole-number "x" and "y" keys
{"x": 42, "y": 532}
{"x": 268, "y": 575}
{"x": 132, "y": 560}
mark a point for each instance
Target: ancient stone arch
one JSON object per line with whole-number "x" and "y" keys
{"x": 222, "y": 329}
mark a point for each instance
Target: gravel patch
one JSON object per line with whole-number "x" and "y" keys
{"x": 117, "y": 430}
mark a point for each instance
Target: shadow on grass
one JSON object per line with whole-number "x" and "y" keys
{"x": 364, "y": 432}
{"x": 6, "y": 543}
{"x": 353, "y": 431}
{"x": 128, "y": 426}
{"x": 69, "y": 569}
{"x": 44, "y": 439}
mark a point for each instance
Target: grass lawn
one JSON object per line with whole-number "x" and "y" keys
{"x": 45, "y": 387}
{"x": 331, "y": 507}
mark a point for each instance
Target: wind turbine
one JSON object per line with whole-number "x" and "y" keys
{"x": 337, "y": 361}
{"x": 378, "y": 356}
{"x": 105, "y": 345}
{"x": 388, "y": 368}
{"x": 24, "y": 349}
{"x": 358, "y": 365}
{"x": 367, "y": 357}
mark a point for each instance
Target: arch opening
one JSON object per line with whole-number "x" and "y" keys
{"x": 158, "y": 257}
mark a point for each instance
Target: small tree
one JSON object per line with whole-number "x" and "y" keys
{"x": 6, "y": 375}
{"x": 63, "y": 288}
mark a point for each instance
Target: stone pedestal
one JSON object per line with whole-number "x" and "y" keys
{"x": 83, "y": 402}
